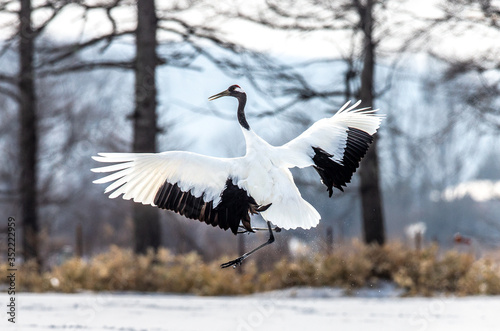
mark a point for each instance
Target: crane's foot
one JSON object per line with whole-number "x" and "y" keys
{"x": 233, "y": 263}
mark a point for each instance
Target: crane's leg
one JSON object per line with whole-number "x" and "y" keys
{"x": 275, "y": 229}
{"x": 236, "y": 262}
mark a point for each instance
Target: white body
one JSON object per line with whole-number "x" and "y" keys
{"x": 263, "y": 172}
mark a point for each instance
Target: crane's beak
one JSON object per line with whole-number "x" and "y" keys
{"x": 219, "y": 95}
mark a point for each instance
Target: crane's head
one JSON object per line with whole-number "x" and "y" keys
{"x": 232, "y": 91}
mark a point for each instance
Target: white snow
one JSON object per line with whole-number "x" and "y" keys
{"x": 415, "y": 229}
{"x": 295, "y": 309}
{"x": 478, "y": 190}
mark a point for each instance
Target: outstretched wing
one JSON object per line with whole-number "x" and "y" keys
{"x": 334, "y": 146}
{"x": 195, "y": 186}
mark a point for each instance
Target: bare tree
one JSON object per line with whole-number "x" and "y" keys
{"x": 21, "y": 87}
{"x": 28, "y": 134}
{"x": 371, "y": 196}
{"x": 39, "y": 58}
{"x": 146, "y": 219}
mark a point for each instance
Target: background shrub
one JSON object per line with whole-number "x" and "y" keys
{"x": 425, "y": 272}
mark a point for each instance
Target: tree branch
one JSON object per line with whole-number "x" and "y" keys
{"x": 70, "y": 50}
{"x": 9, "y": 93}
{"x": 8, "y": 79}
{"x": 125, "y": 65}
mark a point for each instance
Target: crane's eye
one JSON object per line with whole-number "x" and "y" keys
{"x": 236, "y": 88}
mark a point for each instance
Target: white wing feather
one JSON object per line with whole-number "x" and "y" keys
{"x": 330, "y": 134}
{"x": 140, "y": 176}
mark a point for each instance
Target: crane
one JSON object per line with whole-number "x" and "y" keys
{"x": 224, "y": 192}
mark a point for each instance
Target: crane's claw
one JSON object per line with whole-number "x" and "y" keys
{"x": 234, "y": 263}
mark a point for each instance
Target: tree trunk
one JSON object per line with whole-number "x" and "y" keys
{"x": 28, "y": 139}
{"x": 371, "y": 197}
{"x": 146, "y": 219}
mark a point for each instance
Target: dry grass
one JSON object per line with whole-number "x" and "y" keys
{"x": 426, "y": 272}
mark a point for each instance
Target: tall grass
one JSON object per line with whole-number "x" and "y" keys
{"x": 425, "y": 272}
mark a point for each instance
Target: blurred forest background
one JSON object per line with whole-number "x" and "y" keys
{"x": 81, "y": 77}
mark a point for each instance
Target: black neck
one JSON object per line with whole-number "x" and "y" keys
{"x": 242, "y": 100}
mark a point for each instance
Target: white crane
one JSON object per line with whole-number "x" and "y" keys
{"x": 225, "y": 191}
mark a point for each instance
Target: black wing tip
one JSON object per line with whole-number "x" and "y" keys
{"x": 335, "y": 174}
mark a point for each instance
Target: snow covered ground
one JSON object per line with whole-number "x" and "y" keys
{"x": 293, "y": 309}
